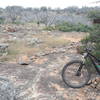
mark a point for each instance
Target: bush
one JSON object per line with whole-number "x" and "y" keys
{"x": 1, "y": 20}
{"x": 16, "y": 22}
{"x": 68, "y": 27}
{"x": 94, "y": 38}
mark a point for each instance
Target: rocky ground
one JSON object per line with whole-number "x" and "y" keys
{"x": 41, "y": 79}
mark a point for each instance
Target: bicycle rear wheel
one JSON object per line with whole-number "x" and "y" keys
{"x": 73, "y": 77}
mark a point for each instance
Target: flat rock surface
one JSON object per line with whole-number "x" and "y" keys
{"x": 42, "y": 80}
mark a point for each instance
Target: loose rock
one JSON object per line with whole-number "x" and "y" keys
{"x": 24, "y": 60}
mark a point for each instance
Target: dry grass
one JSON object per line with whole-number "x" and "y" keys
{"x": 56, "y": 41}
{"x": 18, "y": 48}
{"x": 50, "y": 41}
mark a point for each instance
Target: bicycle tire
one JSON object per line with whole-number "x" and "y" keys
{"x": 74, "y": 86}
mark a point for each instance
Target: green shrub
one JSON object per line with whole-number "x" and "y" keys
{"x": 1, "y": 20}
{"x": 17, "y": 22}
{"x": 64, "y": 28}
{"x": 68, "y": 27}
{"x": 94, "y": 38}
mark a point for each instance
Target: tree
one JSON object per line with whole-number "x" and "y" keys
{"x": 46, "y": 16}
{"x": 13, "y": 12}
{"x": 44, "y": 9}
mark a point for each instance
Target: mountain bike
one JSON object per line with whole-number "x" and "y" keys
{"x": 76, "y": 74}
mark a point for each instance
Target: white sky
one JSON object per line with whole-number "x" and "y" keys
{"x": 48, "y": 3}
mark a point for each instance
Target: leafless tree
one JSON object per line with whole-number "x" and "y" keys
{"x": 13, "y": 12}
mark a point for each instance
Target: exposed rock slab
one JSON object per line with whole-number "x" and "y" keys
{"x": 7, "y": 91}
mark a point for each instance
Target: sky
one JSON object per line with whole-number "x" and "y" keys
{"x": 48, "y": 3}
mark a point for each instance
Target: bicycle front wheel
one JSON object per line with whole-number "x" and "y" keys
{"x": 73, "y": 76}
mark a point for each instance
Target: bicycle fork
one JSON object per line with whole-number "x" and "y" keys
{"x": 78, "y": 73}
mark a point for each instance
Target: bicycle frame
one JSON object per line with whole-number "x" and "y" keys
{"x": 93, "y": 59}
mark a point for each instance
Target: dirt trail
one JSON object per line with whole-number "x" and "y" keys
{"x": 42, "y": 80}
